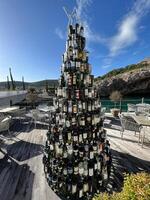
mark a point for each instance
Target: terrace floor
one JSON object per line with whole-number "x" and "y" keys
{"x": 21, "y": 168}
{"x": 127, "y": 156}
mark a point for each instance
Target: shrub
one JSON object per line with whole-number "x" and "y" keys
{"x": 115, "y": 96}
{"x": 136, "y": 187}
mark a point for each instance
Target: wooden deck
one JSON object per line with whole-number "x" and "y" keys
{"x": 21, "y": 169}
{"x": 127, "y": 154}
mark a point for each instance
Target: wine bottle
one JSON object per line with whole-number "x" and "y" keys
{"x": 80, "y": 189}
{"x": 95, "y": 147}
{"x": 75, "y": 135}
{"x": 54, "y": 182}
{"x": 86, "y": 147}
{"x": 74, "y": 79}
{"x": 82, "y": 120}
{"x": 91, "y": 167}
{"x": 74, "y": 107}
{"x": 68, "y": 187}
{"x": 91, "y": 156}
{"x": 70, "y": 149}
{"x": 65, "y": 153}
{"x": 85, "y": 185}
{"x": 79, "y": 106}
{"x": 70, "y": 168}
{"x": 81, "y": 150}
{"x": 84, "y": 135}
{"x": 75, "y": 150}
{"x": 74, "y": 187}
{"x": 85, "y": 165}
{"x": 81, "y": 167}
{"x": 77, "y": 94}
{"x": 91, "y": 185}
{"x": 76, "y": 167}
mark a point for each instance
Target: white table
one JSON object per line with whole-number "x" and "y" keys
{"x": 143, "y": 107}
{"x": 9, "y": 109}
{"x": 45, "y": 109}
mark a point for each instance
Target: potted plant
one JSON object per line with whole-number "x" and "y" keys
{"x": 115, "y": 96}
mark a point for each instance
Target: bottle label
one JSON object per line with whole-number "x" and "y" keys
{"x": 74, "y": 189}
{"x": 91, "y": 155}
{"x": 94, "y": 135}
{"x": 76, "y": 169}
{"x": 85, "y": 172}
{"x": 81, "y": 170}
{"x": 99, "y": 166}
{"x": 65, "y": 154}
{"x": 85, "y": 187}
{"x": 65, "y": 171}
{"x": 89, "y": 108}
{"x": 95, "y": 166}
{"x": 60, "y": 151}
{"x": 80, "y": 193}
{"x": 69, "y": 136}
{"x": 69, "y": 187}
{"x": 70, "y": 170}
{"x": 82, "y": 122}
{"x": 91, "y": 172}
{"x": 84, "y": 135}
{"x": 80, "y": 138}
{"x": 83, "y": 105}
{"x": 86, "y": 92}
{"x": 51, "y": 147}
{"x": 60, "y": 185}
{"x": 74, "y": 109}
{"x": 90, "y": 94}
{"x": 67, "y": 123}
{"x": 70, "y": 109}
{"x": 95, "y": 148}
{"x": 75, "y": 138}
{"x": 100, "y": 182}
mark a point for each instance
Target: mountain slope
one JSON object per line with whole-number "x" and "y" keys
{"x": 38, "y": 84}
{"x": 131, "y": 80}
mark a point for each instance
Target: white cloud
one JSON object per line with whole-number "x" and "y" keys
{"x": 127, "y": 32}
{"x": 128, "y": 29}
{"x": 60, "y": 33}
{"x": 105, "y": 66}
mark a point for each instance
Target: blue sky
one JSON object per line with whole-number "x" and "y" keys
{"x": 33, "y": 33}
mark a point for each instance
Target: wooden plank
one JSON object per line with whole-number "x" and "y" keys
{"x": 22, "y": 176}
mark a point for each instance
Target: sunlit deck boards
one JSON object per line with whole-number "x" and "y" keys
{"x": 128, "y": 155}
{"x": 21, "y": 175}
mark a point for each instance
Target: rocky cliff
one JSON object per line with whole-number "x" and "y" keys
{"x": 134, "y": 82}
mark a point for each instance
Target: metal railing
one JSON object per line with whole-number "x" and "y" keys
{"x": 123, "y": 104}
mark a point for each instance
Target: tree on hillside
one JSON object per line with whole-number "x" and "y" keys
{"x": 12, "y": 80}
{"x": 8, "y": 84}
{"x": 115, "y": 96}
{"x": 32, "y": 96}
{"x": 23, "y": 84}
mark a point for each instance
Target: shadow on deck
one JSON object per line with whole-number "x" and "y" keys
{"x": 16, "y": 180}
{"x": 126, "y": 163}
{"x": 23, "y": 150}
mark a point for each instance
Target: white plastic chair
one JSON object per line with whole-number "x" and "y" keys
{"x": 5, "y": 124}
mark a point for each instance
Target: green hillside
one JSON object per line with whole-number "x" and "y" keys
{"x": 38, "y": 84}
{"x": 122, "y": 70}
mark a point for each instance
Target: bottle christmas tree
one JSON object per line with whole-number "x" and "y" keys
{"x": 77, "y": 156}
